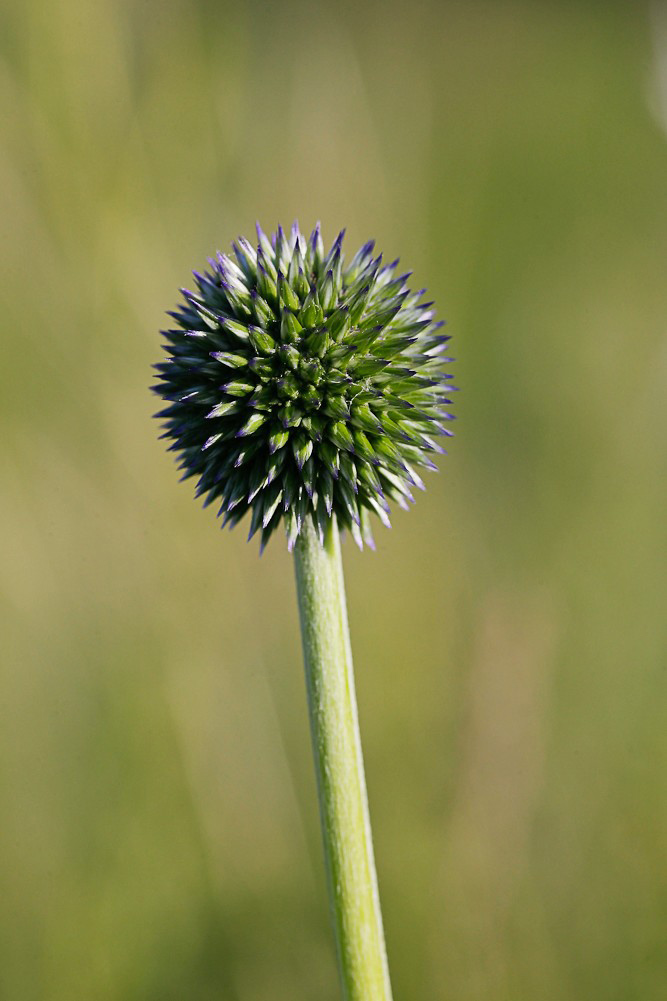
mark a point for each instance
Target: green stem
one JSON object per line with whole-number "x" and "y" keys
{"x": 348, "y": 848}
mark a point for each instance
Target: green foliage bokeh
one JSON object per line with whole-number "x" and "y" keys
{"x": 159, "y": 838}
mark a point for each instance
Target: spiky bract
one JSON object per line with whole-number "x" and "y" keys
{"x": 299, "y": 386}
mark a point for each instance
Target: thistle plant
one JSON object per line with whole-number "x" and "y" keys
{"x": 306, "y": 391}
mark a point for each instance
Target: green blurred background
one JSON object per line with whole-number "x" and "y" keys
{"x": 159, "y": 837}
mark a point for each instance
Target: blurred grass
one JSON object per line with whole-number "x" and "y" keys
{"x": 159, "y": 837}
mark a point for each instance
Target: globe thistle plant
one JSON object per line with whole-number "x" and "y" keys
{"x": 306, "y": 390}
{"x": 299, "y": 386}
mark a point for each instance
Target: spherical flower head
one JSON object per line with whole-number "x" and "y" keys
{"x": 301, "y": 387}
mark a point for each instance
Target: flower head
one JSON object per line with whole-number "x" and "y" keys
{"x": 301, "y": 386}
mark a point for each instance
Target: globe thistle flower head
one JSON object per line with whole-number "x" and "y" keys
{"x": 299, "y": 386}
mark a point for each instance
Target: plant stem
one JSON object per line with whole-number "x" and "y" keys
{"x": 348, "y": 848}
